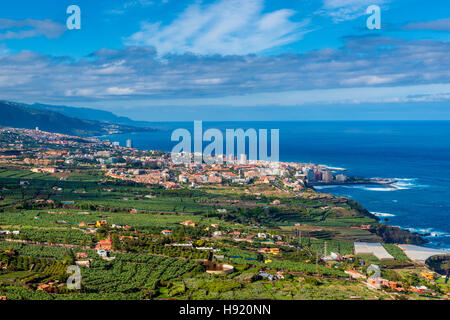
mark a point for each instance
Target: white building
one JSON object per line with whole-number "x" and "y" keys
{"x": 327, "y": 176}
{"x": 243, "y": 159}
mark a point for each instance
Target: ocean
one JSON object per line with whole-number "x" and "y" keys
{"x": 416, "y": 153}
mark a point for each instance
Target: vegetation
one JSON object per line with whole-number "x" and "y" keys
{"x": 142, "y": 241}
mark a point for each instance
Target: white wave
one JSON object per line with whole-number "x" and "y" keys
{"x": 382, "y": 214}
{"x": 407, "y": 183}
{"x": 370, "y": 188}
{"x": 432, "y": 232}
{"x": 324, "y": 187}
{"x": 380, "y": 189}
{"x": 332, "y": 168}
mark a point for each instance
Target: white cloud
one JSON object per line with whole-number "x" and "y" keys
{"x": 357, "y": 95}
{"x": 382, "y": 65}
{"x": 208, "y": 81}
{"x": 341, "y": 10}
{"x": 437, "y": 25}
{"x": 371, "y": 80}
{"x": 80, "y": 93}
{"x": 29, "y": 28}
{"x": 224, "y": 27}
{"x": 131, "y": 4}
{"x": 119, "y": 91}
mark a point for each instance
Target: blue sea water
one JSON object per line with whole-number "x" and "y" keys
{"x": 417, "y": 153}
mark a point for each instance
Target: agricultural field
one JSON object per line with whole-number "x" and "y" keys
{"x": 141, "y": 241}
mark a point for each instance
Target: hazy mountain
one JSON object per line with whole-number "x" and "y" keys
{"x": 90, "y": 114}
{"x": 22, "y": 116}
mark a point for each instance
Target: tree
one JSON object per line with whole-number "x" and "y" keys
{"x": 181, "y": 234}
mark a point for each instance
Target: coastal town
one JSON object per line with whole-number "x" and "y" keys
{"x": 139, "y": 226}
{"x": 117, "y": 160}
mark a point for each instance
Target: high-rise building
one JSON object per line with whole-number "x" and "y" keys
{"x": 129, "y": 143}
{"x": 317, "y": 175}
{"x": 327, "y": 176}
{"x": 243, "y": 159}
{"x": 309, "y": 173}
{"x": 116, "y": 144}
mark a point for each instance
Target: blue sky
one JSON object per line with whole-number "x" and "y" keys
{"x": 231, "y": 59}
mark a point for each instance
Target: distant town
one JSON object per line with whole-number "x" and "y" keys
{"x": 117, "y": 159}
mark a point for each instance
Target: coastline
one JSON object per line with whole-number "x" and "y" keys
{"x": 343, "y": 164}
{"x": 389, "y": 183}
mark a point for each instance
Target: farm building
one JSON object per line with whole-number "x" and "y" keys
{"x": 372, "y": 248}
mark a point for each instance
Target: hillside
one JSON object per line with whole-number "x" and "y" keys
{"x": 90, "y": 114}
{"x": 21, "y": 116}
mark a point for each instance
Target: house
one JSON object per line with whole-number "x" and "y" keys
{"x": 170, "y": 185}
{"x": 44, "y": 287}
{"x": 354, "y": 274}
{"x": 217, "y": 233}
{"x": 276, "y": 202}
{"x": 188, "y": 223}
{"x": 333, "y": 257}
{"x": 166, "y": 232}
{"x": 125, "y": 237}
{"x": 104, "y": 244}
{"x": 102, "y": 253}
{"x": 418, "y": 290}
{"x": 270, "y": 277}
{"x": 275, "y": 251}
{"x": 86, "y": 263}
{"x": 374, "y": 283}
{"x": 266, "y": 276}
{"x": 81, "y": 255}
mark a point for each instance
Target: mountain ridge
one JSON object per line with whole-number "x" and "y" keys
{"x": 22, "y": 116}
{"x": 85, "y": 113}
